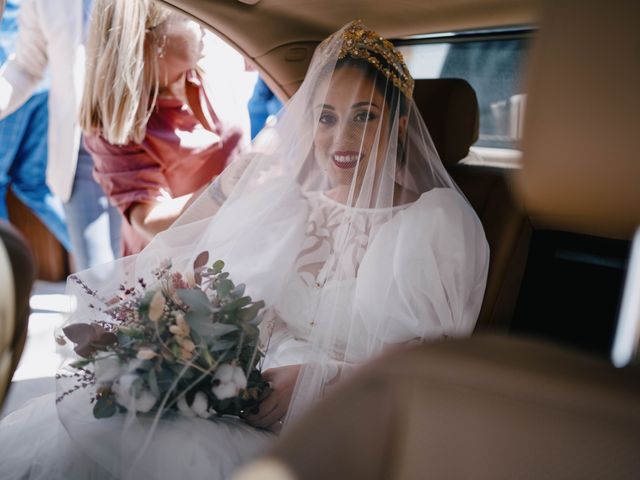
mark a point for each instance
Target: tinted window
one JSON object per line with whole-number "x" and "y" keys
{"x": 493, "y": 68}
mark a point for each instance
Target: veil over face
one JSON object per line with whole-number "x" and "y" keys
{"x": 342, "y": 219}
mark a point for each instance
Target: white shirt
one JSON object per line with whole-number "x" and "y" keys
{"x": 50, "y": 34}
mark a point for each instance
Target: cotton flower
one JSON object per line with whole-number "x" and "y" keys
{"x": 143, "y": 402}
{"x": 156, "y": 307}
{"x": 107, "y": 368}
{"x": 184, "y": 408}
{"x": 199, "y": 407}
{"x": 228, "y": 381}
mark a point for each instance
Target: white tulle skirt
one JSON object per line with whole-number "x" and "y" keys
{"x": 34, "y": 444}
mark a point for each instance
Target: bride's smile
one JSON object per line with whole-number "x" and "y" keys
{"x": 353, "y": 127}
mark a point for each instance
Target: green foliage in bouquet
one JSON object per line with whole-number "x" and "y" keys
{"x": 186, "y": 343}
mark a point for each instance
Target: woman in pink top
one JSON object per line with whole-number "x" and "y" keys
{"x": 151, "y": 126}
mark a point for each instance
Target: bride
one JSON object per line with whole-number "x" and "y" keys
{"x": 342, "y": 219}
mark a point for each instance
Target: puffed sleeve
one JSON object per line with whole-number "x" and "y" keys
{"x": 128, "y": 174}
{"x": 425, "y": 273}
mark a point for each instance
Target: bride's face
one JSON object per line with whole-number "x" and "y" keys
{"x": 353, "y": 128}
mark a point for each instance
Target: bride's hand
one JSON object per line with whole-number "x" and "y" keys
{"x": 274, "y": 407}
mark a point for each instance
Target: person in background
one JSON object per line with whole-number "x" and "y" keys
{"x": 52, "y": 34}
{"x": 23, "y": 146}
{"x": 262, "y": 104}
{"x": 159, "y": 129}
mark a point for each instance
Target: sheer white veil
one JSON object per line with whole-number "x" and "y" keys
{"x": 342, "y": 219}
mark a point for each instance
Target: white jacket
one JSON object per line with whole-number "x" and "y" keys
{"x": 50, "y": 35}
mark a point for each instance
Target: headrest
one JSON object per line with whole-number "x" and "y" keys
{"x": 18, "y": 270}
{"x": 16, "y": 278}
{"x": 581, "y": 166}
{"x": 450, "y": 109}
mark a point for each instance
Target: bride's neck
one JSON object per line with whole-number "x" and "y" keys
{"x": 401, "y": 195}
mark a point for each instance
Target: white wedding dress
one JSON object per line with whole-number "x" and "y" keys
{"x": 429, "y": 251}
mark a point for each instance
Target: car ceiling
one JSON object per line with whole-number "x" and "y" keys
{"x": 279, "y": 36}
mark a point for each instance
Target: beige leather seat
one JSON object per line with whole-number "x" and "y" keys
{"x": 450, "y": 110}
{"x": 16, "y": 279}
{"x": 486, "y": 408}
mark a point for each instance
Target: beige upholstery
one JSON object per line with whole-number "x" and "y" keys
{"x": 279, "y": 36}
{"x": 485, "y": 408}
{"x": 450, "y": 110}
{"x": 581, "y": 163}
{"x": 16, "y": 278}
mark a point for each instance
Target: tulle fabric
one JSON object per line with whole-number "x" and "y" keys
{"x": 35, "y": 445}
{"x": 344, "y": 221}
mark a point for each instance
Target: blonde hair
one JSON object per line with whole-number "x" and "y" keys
{"x": 122, "y": 73}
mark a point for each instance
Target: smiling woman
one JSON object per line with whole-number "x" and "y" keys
{"x": 355, "y": 128}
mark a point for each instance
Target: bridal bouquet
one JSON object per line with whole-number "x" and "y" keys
{"x": 186, "y": 343}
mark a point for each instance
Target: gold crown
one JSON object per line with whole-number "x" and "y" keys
{"x": 361, "y": 42}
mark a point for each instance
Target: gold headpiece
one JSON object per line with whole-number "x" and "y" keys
{"x": 361, "y": 42}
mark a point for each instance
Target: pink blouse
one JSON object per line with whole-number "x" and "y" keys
{"x": 177, "y": 156}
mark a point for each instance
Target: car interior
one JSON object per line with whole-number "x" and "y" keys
{"x": 533, "y": 392}
{"x": 17, "y": 273}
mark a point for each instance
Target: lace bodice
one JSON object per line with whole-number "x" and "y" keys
{"x": 383, "y": 265}
{"x": 332, "y": 225}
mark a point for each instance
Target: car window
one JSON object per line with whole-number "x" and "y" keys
{"x": 493, "y": 68}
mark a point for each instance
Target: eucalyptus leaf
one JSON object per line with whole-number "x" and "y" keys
{"x": 225, "y": 287}
{"x": 250, "y": 330}
{"x": 175, "y": 349}
{"x": 249, "y": 313}
{"x": 131, "y": 332}
{"x": 221, "y": 345}
{"x": 153, "y": 383}
{"x": 239, "y": 290}
{"x": 236, "y": 304}
{"x": 206, "y": 328}
{"x": 218, "y": 266}
{"x": 146, "y": 300}
{"x": 105, "y": 407}
{"x": 195, "y": 336}
{"x": 137, "y": 386}
{"x": 196, "y": 300}
{"x": 164, "y": 379}
{"x": 207, "y": 357}
{"x": 221, "y": 329}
